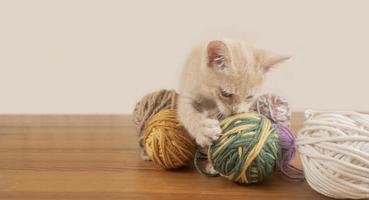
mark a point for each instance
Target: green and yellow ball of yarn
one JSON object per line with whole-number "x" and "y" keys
{"x": 248, "y": 151}
{"x": 167, "y": 142}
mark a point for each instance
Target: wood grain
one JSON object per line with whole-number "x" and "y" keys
{"x": 97, "y": 157}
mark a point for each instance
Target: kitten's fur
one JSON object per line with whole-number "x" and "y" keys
{"x": 220, "y": 78}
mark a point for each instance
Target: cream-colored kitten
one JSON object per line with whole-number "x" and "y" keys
{"x": 220, "y": 78}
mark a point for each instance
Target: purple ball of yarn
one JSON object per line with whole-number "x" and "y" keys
{"x": 287, "y": 141}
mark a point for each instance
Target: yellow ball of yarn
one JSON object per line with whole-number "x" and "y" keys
{"x": 149, "y": 105}
{"x": 167, "y": 142}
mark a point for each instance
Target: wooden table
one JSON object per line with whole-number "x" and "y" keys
{"x": 97, "y": 157}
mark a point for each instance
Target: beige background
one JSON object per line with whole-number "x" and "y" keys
{"x": 102, "y": 56}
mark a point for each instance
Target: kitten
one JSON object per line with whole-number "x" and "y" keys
{"x": 220, "y": 78}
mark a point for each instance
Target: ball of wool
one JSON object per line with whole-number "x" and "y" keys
{"x": 287, "y": 142}
{"x": 167, "y": 142}
{"x": 277, "y": 110}
{"x": 248, "y": 151}
{"x": 274, "y": 107}
{"x": 149, "y": 105}
{"x": 334, "y": 150}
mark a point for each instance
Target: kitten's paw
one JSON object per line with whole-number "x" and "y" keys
{"x": 203, "y": 141}
{"x": 209, "y": 168}
{"x": 209, "y": 130}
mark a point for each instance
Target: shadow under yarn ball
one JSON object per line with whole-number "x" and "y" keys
{"x": 248, "y": 151}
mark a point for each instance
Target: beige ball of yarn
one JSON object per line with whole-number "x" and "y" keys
{"x": 149, "y": 105}
{"x": 334, "y": 150}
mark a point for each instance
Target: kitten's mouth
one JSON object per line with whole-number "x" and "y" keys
{"x": 223, "y": 112}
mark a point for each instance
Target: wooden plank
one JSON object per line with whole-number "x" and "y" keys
{"x": 97, "y": 157}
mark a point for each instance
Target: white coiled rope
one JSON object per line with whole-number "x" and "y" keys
{"x": 334, "y": 149}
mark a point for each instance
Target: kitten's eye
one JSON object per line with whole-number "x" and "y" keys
{"x": 226, "y": 94}
{"x": 250, "y": 97}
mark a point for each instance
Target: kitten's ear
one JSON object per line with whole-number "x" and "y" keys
{"x": 269, "y": 59}
{"x": 217, "y": 54}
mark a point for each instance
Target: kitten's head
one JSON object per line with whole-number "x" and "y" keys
{"x": 235, "y": 73}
